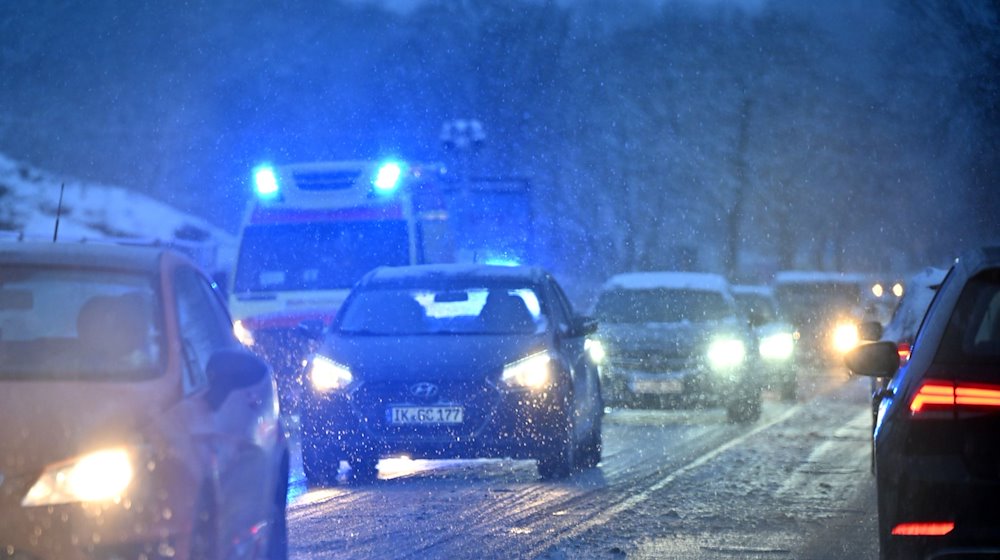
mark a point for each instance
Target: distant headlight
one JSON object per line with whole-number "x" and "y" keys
{"x": 533, "y": 372}
{"x": 777, "y": 347}
{"x": 95, "y": 477}
{"x": 845, "y": 337}
{"x": 595, "y": 350}
{"x": 326, "y": 375}
{"x": 242, "y": 333}
{"x": 726, "y": 353}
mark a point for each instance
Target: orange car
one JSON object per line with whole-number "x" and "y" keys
{"x": 132, "y": 422}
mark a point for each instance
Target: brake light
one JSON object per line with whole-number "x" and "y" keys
{"x": 931, "y": 529}
{"x": 943, "y": 394}
{"x": 903, "y": 349}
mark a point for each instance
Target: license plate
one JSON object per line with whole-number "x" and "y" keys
{"x": 425, "y": 414}
{"x": 658, "y": 386}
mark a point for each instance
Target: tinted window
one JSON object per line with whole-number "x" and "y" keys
{"x": 664, "y": 305}
{"x": 60, "y": 323}
{"x": 973, "y": 332}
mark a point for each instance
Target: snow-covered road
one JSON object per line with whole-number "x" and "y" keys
{"x": 673, "y": 484}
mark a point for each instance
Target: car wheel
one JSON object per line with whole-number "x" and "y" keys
{"x": 320, "y": 468}
{"x": 277, "y": 544}
{"x": 590, "y": 454}
{"x": 364, "y": 469}
{"x": 744, "y": 410}
{"x": 559, "y": 458}
{"x": 789, "y": 389}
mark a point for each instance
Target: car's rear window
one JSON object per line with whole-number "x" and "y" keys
{"x": 60, "y": 324}
{"x": 661, "y": 305}
{"x": 972, "y": 336}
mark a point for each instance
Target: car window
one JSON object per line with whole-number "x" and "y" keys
{"x": 62, "y": 323}
{"x": 466, "y": 310}
{"x": 666, "y": 305}
{"x": 973, "y": 332}
{"x": 202, "y": 322}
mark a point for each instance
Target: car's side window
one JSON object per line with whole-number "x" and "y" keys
{"x": 202, "y": 325}
{"x": 562, "y": 310}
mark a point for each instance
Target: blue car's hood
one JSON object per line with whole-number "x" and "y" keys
{"x": 434, "y": 357}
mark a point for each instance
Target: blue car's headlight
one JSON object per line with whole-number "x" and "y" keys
{"x": 326, "y": 375}
{"x": 533, "y": 372}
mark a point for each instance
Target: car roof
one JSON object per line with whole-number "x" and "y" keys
{"x": 668, "y": 279}
{"x": 982, "y": 257}
{"x": 816, "y": 276}
{"x": 458, "y": 273}
{"x": 82, "y": 255}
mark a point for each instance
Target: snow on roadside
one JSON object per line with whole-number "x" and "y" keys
{"x": 29, "y": 199}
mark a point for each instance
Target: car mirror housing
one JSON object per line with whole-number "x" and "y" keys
{"x": 873, "y": 359}
{"x": 232, "y": 369}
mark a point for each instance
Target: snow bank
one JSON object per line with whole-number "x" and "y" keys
{"x": 29, "y": 199}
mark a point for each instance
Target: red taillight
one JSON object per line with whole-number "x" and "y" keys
{"x": 944, "y": 394}
{"x": 932, "y": 529}
{"x": 903, "y": 349}
{"x": 933, "y": 394}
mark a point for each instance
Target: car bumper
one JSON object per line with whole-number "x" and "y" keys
{"x": 626, "y": 386}
{"x": 941, "y": 489}
{"x": 516, "y": 424}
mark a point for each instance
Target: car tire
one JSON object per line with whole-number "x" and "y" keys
{"x": 277, "y": 544}
{"x": 593, "y": 447}
{"x": 320, "y": 469}
{"x": 364, "y": 469}
{"x": 789, "y": 389}
{"x": 744, "y": 410}
{"x": 559, "y": 458}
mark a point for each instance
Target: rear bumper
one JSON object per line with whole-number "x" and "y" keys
{"x": 941, "y": 489}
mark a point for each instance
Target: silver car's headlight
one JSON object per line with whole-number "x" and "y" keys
{"x": 777, "y": 347}
{"x": 95, "y": 477}
{"x": 326, "y": 375}
{"x": 533, "y": 372}
{"x": 595, "y": 350}
{"x": 726, "y": 353}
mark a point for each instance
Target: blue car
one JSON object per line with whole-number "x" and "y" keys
{"x": 453, "y": 361}
{"x": 937, "y": 462}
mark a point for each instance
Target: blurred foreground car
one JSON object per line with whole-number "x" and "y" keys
{"x": 937, "y": 458}
{"x": 453, "y": 361}
{"x": 674, "y": 338}
{"x": 132, "y": 423}
{"x": 774, "y": 338}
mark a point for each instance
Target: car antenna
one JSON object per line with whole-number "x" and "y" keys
{"x": 55, "y": 234}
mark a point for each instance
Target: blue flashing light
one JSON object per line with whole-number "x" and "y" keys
{"x": 265, "y": 182}
{"x": 387, "y": 179}
{"x": 501, "y": 261}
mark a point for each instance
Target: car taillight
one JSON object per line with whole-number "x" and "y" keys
{"x": 932, "y": 529}
{"x": 946, "y": 395}
{"x": 903, "y": 349}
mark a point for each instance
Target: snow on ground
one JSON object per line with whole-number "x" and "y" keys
{"x": 29, "y": 199}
